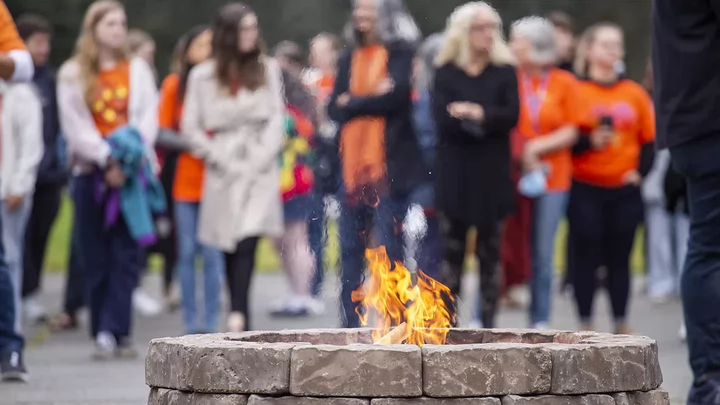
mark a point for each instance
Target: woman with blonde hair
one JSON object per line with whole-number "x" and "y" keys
{"x": 475, "y": 106}
{"x": 103, "y": 95}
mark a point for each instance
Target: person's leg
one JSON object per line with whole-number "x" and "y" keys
{"x": 682, "y": 234}
{"x": 11, "y": 342}
{"x": 455, "y": 238}
{"x": 430, "y": 255}
{"x": 698, "y": 162}
{"x": 661, "y": 278}
{"x": 388, "y": 218}
{"x": 45, "y": 207}
{"x": 585, "y": 217}
{"x": 317, "y": 237}
{"x": 298, "y": 261}
{"x": 624, "y": 215}
{"x": 13, "y": 239}
{"x": 548, "y": 210}
{"x": 213, "y": 266}
{"x": 239, "y": 266}
{"x": 353, "y": 238}
{"x": 75, "y": 280}
{"x": 488, "y": 252}
{"x": 186, "y": 215}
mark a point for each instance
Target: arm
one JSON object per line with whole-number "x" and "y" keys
{"x": 168, "y": 136}
{"x": 192, "y": 129}
{"x": 503, "y": 116}
{"x": 27, "y": 128}
{"x": 399, "y": 71}
{"x": 76, "y": 122}
{"x": 447, "y": 126}
{"x": 647, "y": 134}
{"x": 171, "y": 140}
{"x": 15, "y": 61}
{"x": 342, "y": 82}
{"x": 147, "y": 122}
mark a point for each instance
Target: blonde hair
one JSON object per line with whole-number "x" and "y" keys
{"x": 456, "y": 46}
{"x": 580, "y": 65}
{"x": 86, "y": 49}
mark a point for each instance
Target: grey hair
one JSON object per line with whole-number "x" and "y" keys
{"x": 394, "y": 24}
{"x": 540, "y": 32}
{"x": 426, "y": 54}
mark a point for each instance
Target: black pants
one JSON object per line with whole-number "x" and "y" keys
{"x": 75, "y": 279}
{"x": 239, "y": 267}
{"x": 698, "y": 162}
{"x": 46, "y": 204}
{"x": 603, "y": 223}
{"x": 488, "y": 251}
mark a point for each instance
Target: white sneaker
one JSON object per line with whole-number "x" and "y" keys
{"x": 475, "y": 324}
{"x": 34, "y": 311}
{"x": 105, "y": 346}
{"x": 145, "y": 304}
{"x": 541, "y": 326}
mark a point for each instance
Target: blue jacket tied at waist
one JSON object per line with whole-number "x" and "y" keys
{"x": 142, "y": 197}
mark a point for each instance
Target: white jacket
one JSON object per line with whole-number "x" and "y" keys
{"x": 86, "y": 146}
{"x": 21, "y": 147}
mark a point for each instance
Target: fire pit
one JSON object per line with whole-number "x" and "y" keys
{"x": 346, "y": 367}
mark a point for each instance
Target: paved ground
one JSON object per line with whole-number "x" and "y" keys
{"x": 63, "y": 374}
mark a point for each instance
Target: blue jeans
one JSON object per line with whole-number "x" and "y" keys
{"x": 355, "y": 224}
{"x": 112, "y": 260}
{"x": 13, "y": 240}
{"x": 10, "y": 340}
{"x": 700, "y": 285}
{"x": 548, "y": 211}
{"x": 430, "y": 254}
{"x": 186, "y": 218}
{"x": 317, "y": 238}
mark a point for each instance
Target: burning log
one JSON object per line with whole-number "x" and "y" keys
{"x": 396, "y": 336}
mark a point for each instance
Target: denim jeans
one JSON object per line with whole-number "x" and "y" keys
{"x": 355, "y": 224}
{"x": 10, "y": 339}
{"x": 667, "y": 237}
{"x": 548, "y": 211}
{"x": 700, "y": 287}
{"x": 13, "y": 239}
{"x": 186, "y": 218}
{"x": 317, "y": 237}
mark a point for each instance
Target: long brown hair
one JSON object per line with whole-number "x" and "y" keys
{"x": 86, "y": 49}
{"x": 233, "y": 66}
{"x": 586, "y": 41}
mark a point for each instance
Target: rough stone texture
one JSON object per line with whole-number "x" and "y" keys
{"x": 598, "y": 368}
{"x": 502, "y": 336}
{"x": 465, "y": 336}
{"x": 435, "y": 401}
{"x": 621, "y": 398}
{"x": 213, "y": 365}
{"x": 591, "y": 399}
{"x": 654, "y": 397}
{"x": 258, "y": 400}
{"x": 356, "y": 371}
{"x": 161, "y": 396}
{"x": 340, "y": 337}
{"x": 486, "y": 370}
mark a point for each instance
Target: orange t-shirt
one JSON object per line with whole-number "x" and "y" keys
{"x": 110, "y": 108}
{"x": 558, "y": 106}
{"x": 634, "y": 121}
{"x": 325, "y": 87}
{"x": 190, "y": 171}
{"x": 9, "y": 38}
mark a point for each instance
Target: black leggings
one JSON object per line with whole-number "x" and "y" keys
{"x": 239, "y": 266}
{"x": 603, "y": 223}
{"x": 488, "y": 252}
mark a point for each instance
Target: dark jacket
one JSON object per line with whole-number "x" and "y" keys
{"x": 686, "y": 56}
{"x": 51, "y": 169}
{"x": 405, "y": 168}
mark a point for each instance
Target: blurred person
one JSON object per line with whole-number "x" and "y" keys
{"x": 103, "y": 94}
{"x": 372, "y": 106}
{"x": 610, "y": 161}
{"x": 549, "y": 120}
{"x": 475, "y": 106}
{"x": 685, "y": 48}
{"x": 324, "y": 52}
{"x": 297, "y": 182}
{"x": 430, "y": 246}
{"x": 234, "y": 118}
{"x": 564, "y": 39}
{"x": 15, "y": 65}
{"x": 142, "y": 45}
{"x": 187, "y": 189}
{"x": 36, "y": 31}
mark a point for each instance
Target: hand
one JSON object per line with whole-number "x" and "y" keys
{"x": 14, "y": 202}
{"x": 114, "y": 176}
{"x": 601, "y": 138}
{"x": 466, "y": 111}
{"x": 385, "y": 87}
{"x": 343, "y": 100}
{"x": 632, "y": 178}
{"x": 531, "y": 158}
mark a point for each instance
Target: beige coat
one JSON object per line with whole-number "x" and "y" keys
{"x": 241, "y": 197}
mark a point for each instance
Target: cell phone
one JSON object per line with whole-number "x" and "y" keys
{"x": 607, "y": 121}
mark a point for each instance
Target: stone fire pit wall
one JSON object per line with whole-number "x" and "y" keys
{"x": 343, "y": 367}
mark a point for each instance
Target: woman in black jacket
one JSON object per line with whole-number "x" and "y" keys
{"x": 475, "y": 106}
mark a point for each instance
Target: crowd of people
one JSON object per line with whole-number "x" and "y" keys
{"x": 462, "y": 129}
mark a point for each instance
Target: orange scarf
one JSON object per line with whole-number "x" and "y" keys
{"x": 362, "y": 143}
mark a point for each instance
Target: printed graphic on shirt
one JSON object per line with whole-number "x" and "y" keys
{"x": 110, "y": 108}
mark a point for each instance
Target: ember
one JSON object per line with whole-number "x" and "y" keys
{"x": 390, "y": 299}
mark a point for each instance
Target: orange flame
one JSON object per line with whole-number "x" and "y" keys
{"x": 390, "y": 298}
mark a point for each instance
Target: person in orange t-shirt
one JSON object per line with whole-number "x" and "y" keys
{"x": 15, "y": 61}
{"x": 187, "y": 190}
{"x": 546, "y": 131}
{"x": 609, "y": 164}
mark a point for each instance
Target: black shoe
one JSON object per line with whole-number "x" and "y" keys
{"x": 706, "y": 391}
{"x": 12, "y": 368}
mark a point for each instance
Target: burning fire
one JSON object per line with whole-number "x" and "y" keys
{"x": 390, "y": 299}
